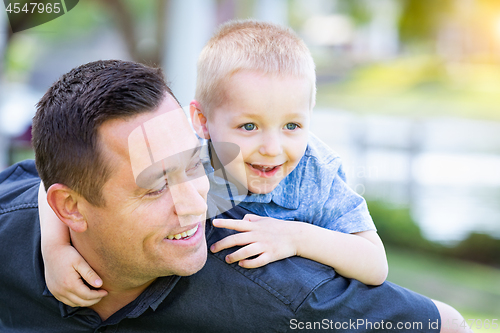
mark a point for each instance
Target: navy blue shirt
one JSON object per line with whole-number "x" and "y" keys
{"x": 290, "y": 295}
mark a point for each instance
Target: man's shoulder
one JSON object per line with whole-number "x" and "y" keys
{"x": 22, "y": 303}
{"x": 22, "y": 170}
{"x": 289, "y": 281}
{"x": 19, "y": 186}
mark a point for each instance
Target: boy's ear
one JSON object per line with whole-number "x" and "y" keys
{"x": 64, "y": 203}
{"x": 199, "y": 120}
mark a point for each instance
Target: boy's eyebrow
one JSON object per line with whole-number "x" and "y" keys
{"x": 251, "y": 114}
{"x": 297, "y": 114}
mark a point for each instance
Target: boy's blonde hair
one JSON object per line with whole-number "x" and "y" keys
{"x": 250, "y": 45}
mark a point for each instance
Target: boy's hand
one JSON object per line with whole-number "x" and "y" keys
{"x": 64, "y": 279}
{"x": 267, "y": 238}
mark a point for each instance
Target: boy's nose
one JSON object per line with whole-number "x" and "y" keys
{"x": 271, "y": 146}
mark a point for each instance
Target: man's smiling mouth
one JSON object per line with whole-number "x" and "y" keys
{"x": 185, "y": 234}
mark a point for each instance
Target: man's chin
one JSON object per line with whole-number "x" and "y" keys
{"x": 194, "y": 263}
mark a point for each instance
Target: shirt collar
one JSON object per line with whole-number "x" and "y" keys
{"x": 149, "y": 298}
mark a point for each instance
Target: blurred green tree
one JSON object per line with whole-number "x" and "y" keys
{"x": 134, "y": 21}
{"x": 129, "y": 15}
{"x": 420, "y": 19}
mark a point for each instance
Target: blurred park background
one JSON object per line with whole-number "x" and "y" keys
{"x": 408, "y": 95}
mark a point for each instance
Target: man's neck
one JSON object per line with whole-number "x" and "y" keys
{"x": 121, "y": 286}
{"x": 116, "y": 299}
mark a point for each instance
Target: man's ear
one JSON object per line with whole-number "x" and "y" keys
{"x": 64, "y": 203}
{"x": 199, "y": 120}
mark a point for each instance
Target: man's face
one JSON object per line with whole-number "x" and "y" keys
{"x": 139, "y": 231}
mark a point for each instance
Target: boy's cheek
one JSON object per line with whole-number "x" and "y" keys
{"x": 237, "y": 169}
{"x": 231, "y": 157}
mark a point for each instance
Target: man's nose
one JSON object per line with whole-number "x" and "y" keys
{"x": 189, "y": 199}
{"x": 271, "y": 145}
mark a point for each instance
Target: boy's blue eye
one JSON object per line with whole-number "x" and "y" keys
{"x": 249, "y": 127}
{"x": 291, "y": 126}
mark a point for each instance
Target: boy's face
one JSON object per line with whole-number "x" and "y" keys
{"x": 268, "y": 118}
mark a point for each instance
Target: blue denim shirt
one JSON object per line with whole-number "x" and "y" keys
{"x": 290, "y": 295}
{"x": 315, "y": 192}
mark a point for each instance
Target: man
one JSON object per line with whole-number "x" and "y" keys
{"x": 128, "y": 222}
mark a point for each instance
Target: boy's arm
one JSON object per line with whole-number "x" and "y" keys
{"x": 63, "y": 264}
{"x": 360, "y": 256}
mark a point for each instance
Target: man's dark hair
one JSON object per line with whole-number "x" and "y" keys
{"x": 68, "y": 116}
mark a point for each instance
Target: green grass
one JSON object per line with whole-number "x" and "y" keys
{"x": 473, "y": 289}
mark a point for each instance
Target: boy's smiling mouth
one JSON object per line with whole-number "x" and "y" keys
{"x": 264, "y": 170}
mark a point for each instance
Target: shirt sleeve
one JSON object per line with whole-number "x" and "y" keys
{"x": 326, "y": 199}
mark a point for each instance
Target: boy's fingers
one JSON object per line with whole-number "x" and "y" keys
{"x": 260, "y": 261}
{"x": 83, "y": 292}
{"x": 253, "y": 217}
{"x": 238, "y": 225}
{"x": 230, "y": 241}
{"x": 83, "y": 296}
{"x": 75, "y": 301}
{"x": 243, "y": 253}
{"x": 88, "y": 274}
{"x": 67, "y": 301}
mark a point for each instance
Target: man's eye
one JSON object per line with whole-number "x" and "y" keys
{"x": 248, "y": 127}
{"x": 196, "y": 166}
{"x": 157, "y": 192}
{"x": 291, "y": 126}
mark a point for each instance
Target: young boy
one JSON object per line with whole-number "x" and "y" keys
{"x": 256, "y": 88}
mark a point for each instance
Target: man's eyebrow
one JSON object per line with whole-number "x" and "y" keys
{"x": 163, "y": 173}
{"x": 166, "y": 171}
